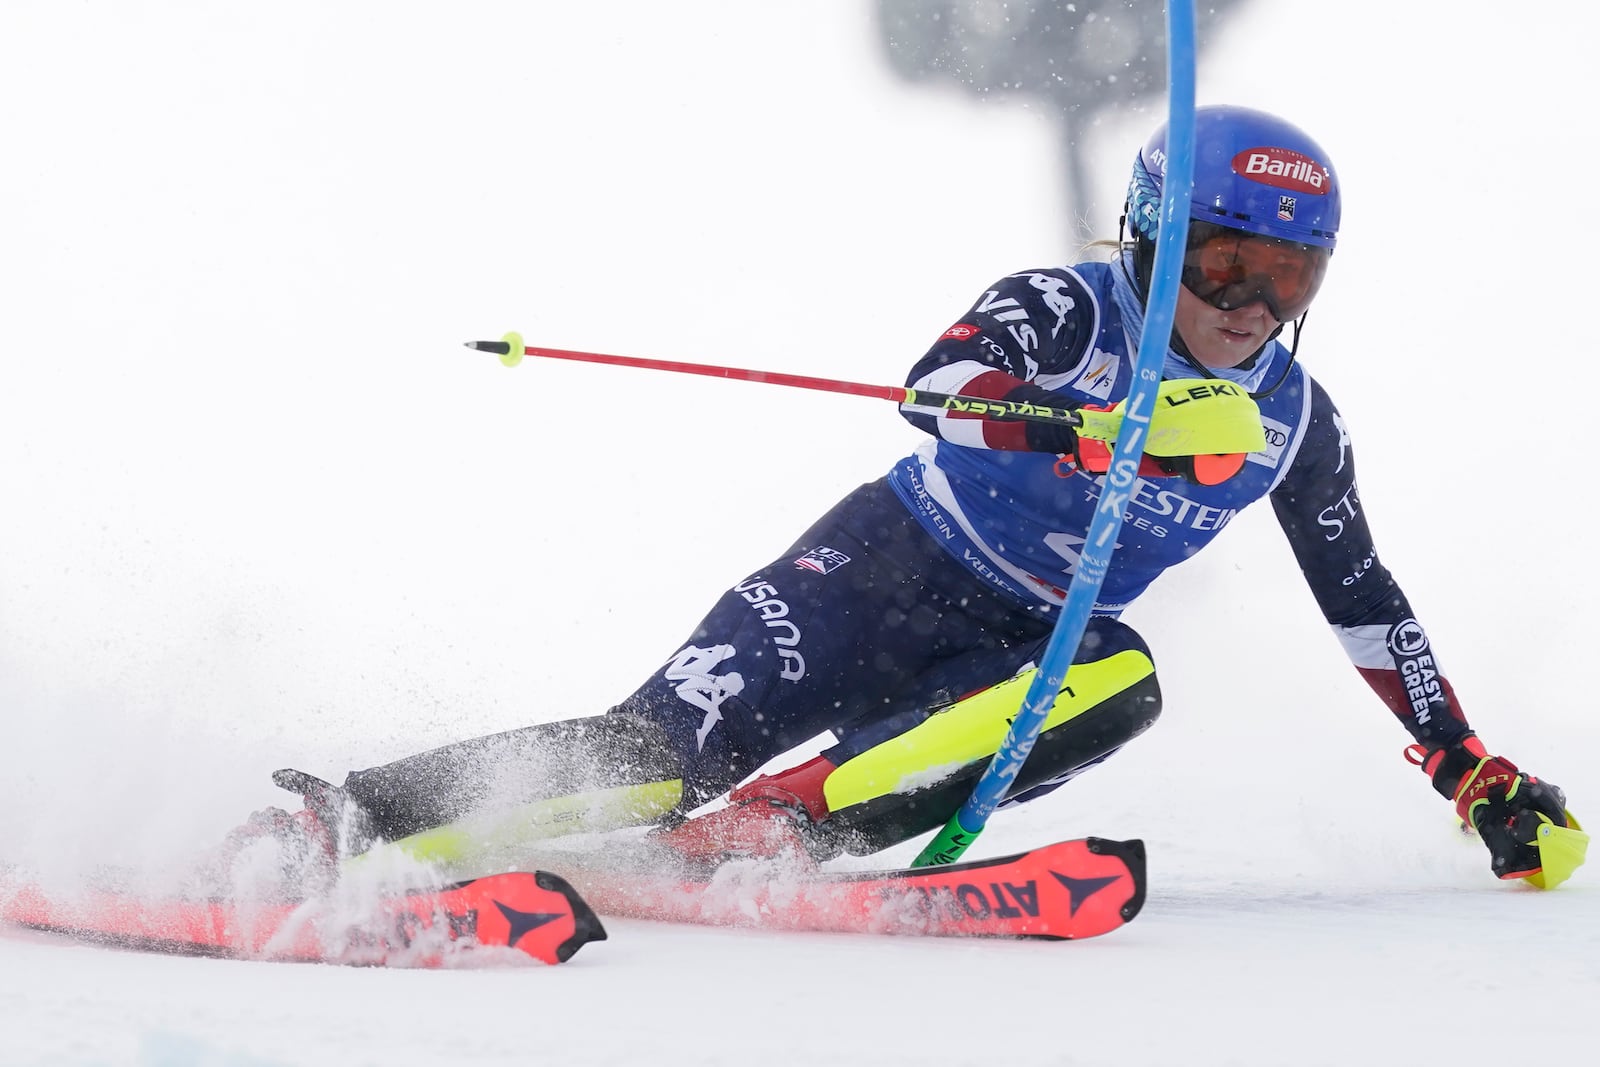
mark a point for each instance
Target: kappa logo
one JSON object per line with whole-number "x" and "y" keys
{"x": 698, "y": 686}
{"x": 822, "y": 560}
{"x": 1344, "y": 441}
{"x": 1055, "y": 297}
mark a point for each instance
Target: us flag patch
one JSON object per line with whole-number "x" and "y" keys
{"x": 1286, "y": 208}
{"x": 822, "y": 560}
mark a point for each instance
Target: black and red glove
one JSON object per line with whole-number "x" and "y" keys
{"x": 1506, "y": 807}
{"x": 1094, "y": 457}
{"x": 1201, "y": 431}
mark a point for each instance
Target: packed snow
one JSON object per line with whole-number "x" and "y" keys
{"x": 261, "y": 508}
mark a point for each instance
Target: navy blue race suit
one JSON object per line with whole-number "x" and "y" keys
{"x": 946, "y": 575}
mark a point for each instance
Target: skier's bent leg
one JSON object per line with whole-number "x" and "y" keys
{"x": 913, "y": 782}
{"x": 777, "y": 661}
{"x": 520, "y": 767}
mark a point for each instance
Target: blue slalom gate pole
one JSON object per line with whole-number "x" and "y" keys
{"x": 1117, "y": 488}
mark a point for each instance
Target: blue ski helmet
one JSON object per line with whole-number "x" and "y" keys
{"x": 1252, "y": 171}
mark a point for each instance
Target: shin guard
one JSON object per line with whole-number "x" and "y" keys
{"x": 594, "y": 773}
{"x": 915, "y": 782}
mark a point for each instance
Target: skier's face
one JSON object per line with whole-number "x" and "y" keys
{"x": 1221, "y": 339}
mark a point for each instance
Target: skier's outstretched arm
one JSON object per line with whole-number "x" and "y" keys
{"x": 1319, "y": 507}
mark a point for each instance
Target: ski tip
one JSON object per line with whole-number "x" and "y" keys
{"x": 1132, "y": 855}
{"x": 586, "y": 925}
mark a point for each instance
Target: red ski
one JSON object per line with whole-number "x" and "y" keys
{"x": 1068, "y": 890}
{"x": 538, "y": 914}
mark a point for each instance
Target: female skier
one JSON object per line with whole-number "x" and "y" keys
{"x": 907, "y": 619}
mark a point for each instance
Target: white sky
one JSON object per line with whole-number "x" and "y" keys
{"x": 258, "y": 507}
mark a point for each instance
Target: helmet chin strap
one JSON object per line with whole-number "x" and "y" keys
{"x": 1181, "y": 347}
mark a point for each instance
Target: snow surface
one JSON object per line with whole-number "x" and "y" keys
{"x": 261, "y": 509}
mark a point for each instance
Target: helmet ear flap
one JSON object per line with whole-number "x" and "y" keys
{"x": 1144, "y": 262}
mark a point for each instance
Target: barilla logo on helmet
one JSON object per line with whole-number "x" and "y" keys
{"x": 1283, "y": 168}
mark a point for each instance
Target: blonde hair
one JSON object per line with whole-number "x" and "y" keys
{"x": 1105, "y": 248}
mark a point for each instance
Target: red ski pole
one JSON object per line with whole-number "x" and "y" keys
{"x": 511, "y": 350}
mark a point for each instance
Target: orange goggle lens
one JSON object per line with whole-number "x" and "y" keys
{"x": 1229, "y": 268}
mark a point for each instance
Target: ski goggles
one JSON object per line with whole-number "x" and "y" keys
{"x": 1230, "y": 268}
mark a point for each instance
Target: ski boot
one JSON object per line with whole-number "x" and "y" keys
{"x": 278, "y": 855}
{"x": 775, "y": 817}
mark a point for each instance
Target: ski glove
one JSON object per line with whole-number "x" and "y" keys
{"x": 1201, "y": 430}
{"x": 1094, "y": 457}
{"x": 1510, "y": 811}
